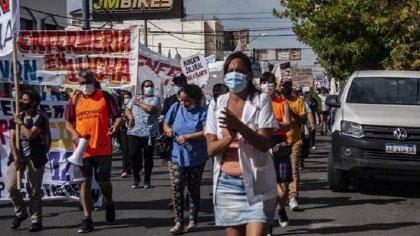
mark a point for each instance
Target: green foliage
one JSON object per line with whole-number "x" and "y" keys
{"x": 349, "y": 35}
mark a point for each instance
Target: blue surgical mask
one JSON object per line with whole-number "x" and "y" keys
{"x": 235, "y": 81}
{"x": 149, "y": 91}
{"x": 177, "y": 89}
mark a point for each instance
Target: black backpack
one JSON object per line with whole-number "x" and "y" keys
{"x": 163, "y": 143}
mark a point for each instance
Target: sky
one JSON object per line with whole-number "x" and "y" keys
{"x": 260, "y": 18}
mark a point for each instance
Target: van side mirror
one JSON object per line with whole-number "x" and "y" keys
{"x": 332, "y": 101}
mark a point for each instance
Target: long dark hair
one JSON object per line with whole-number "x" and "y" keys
{"x": 248, "y": 64}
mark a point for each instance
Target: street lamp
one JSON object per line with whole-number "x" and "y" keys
{"x": 253, "y": 49}
{"x": 261, "y": 35}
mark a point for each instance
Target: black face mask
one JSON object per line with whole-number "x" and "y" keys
{"x": 287, "y": 91}
{"x": 25, "y": 106}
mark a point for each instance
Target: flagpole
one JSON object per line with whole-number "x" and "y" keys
{"x": 17, "y": 91}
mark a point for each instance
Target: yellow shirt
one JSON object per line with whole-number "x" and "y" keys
{"x": 297, "y": 106}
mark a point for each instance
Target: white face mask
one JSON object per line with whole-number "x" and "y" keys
{"x": 267, "y": 88}
{"x": 13, "y": 94}
{"x": 87, "y": 89}
{"x": 126, "y": 101}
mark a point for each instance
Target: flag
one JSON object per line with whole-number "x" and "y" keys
{"x": 238, "y": 47}
{"x": 177, "y": 56}
{"x": 9, "y": 25}
{"x": 277, "y": 73}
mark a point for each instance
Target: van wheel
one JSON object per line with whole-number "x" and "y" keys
{"x": 338, "y": 180}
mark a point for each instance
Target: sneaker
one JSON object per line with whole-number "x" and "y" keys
{"x": 124, "y": 175}
{"x": 110, "y": 213}
{"x": 283, "y": 219}
{"x": 17, "y": 221}
{"x": 147, "y": 185}
{"x": 313, "y": 147}
{"x": 293, "y": 203}
{"x": 135, "y": 183}
{"x": 301, "y": 166}
{"x": 192, "y": 227}
{"x": 177, "y": 229}
{"x": 86, "y": 226}
{"x": 35, "y": 227}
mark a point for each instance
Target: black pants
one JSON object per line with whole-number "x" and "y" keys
{"x": 139, "y": 149}
{"x": 126, "y": 164}
{"x": 312, "y": 133}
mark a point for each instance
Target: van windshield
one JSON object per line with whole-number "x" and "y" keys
{"x": 404, "y": 91}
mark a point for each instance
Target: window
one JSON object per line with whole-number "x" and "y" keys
{"x": 404, "y": 91}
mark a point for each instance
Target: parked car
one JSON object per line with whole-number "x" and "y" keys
{"x": 376, "y": 129}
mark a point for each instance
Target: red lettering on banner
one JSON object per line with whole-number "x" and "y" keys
{"x": 98, "y": 45}
{"x": 125, "y": 41}
{"x": 152, "y": 64}
{"x": 5, "y": 6}
{"x": 161, "y": 67}
{"x": 70, "y": 43}
{"x": 174, "y": 70}
{"x": 3, "y": 129}
{"x": 79, "y": 42}
{"x": 24, "y": 41}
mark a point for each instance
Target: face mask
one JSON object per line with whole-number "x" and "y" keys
{"x": 235, "y": 81}
{"x": 177, "y": 89}
{"x": 287, "y": 91}
{"x": 13, "y": 94}
{"x": 149, "y": 91}
{"x": 267, "y": 88}
{"x": 25, "y": 106}
{"x": 87, "y": 89}
{"x": 126, "y": 101}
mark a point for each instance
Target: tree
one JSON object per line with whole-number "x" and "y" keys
{"x": 349, "y": 35}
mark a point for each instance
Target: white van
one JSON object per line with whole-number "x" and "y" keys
{"x": 376, "y": 128}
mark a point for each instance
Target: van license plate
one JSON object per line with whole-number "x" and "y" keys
{"x": 401, "y": 148}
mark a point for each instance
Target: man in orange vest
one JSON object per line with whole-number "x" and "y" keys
{"x": 88, "y": 115}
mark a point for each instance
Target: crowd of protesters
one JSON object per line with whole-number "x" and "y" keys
{"x": 257, "y": 136}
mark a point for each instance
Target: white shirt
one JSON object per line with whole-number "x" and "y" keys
{"x": 257, "y": 167}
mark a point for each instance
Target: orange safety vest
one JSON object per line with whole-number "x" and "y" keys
{"x": 92, "y": 118}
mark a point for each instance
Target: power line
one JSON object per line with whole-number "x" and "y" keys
{"x": 233, "y": 13}
{"x": 174, "y": 35}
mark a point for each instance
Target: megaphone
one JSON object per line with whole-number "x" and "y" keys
{"x": 77, "y": 156}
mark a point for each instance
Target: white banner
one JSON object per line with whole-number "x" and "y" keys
{"x": 9, "y": 25}
{"x": 58, "y": 175}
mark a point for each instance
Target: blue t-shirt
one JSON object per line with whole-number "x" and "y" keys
{"x": 187, "y": 122}
{"x": 145, "y": 124}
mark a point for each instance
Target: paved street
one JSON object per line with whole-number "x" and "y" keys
{"x": 378, "y": 208}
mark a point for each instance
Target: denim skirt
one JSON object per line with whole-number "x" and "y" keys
{"x": 232, "y": 207}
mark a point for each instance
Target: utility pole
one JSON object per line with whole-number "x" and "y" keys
{"x": 160, "y": 48}
{"x": 145, "y": 33}
{"x": 86, "y": 14}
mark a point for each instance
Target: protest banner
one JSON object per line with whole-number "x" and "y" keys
{"x": 302, "y": 77}
{"x": 157, "y": 68}
{"x": 57, "y": 181}
{"x": 9, "y": 25}
{"x": 195, "y": 68}
{"x": 55, "y": 57}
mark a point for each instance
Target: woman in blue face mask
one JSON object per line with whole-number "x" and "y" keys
{"x": 238, "y": 132}
{"x": 142, "y": 114}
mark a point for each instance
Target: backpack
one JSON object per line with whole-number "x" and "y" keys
{"x": 163, "y": 143}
